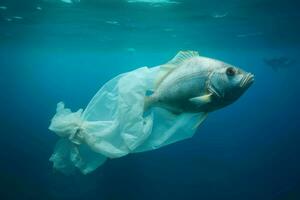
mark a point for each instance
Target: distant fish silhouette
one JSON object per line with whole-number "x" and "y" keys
{"x": 279, "y": 62}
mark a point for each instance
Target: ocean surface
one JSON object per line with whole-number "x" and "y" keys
{"x": 53, "y": 51}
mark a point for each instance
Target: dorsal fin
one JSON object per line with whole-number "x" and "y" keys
{"x": 167, "y": 68}
{"x": 182, "y": 56}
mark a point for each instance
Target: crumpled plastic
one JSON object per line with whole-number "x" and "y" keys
{"x": 114, "y": 124}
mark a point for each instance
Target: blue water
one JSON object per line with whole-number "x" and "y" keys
{"x": 248, "y": 150}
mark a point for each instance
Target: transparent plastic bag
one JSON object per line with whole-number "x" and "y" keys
{"x": 114, "y": 124}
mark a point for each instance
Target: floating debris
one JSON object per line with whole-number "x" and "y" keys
{"x": 71, "y": 1}
{"x": 8, "y": 19}
{"x": 64, "y": 1}
{"x": 17, "y": 17}
{"x": 168, "y": 29}
{"x": 39, "y": 8}
{"x": 249, "y": 34}
{"x": 112, "y": 22}
{"x": 131, "y": 49}
{"x": 153, "y": 1}
{"x": 3, "y": 8}
{"x": 219, "y": 15}
{"x": 67, "y": 1}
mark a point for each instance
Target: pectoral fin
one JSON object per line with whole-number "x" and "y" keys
{"x": 201, "y": 100}
{"x": 201, "y": 119}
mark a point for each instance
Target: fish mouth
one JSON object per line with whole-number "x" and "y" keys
{"x": 247, "y": 81}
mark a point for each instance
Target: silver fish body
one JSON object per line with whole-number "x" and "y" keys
{"x": 191, "y": 83}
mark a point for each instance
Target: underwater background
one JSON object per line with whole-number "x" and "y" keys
{"x": 53, "y": 51}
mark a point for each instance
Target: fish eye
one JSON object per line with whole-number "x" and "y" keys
{"x": 230, "y": 71}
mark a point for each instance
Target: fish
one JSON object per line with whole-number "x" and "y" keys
{"x": 190, "y": 83}
{"x": 279, "y": 62}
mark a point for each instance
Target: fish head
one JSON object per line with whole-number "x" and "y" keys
{"x": 228, "y": 82}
